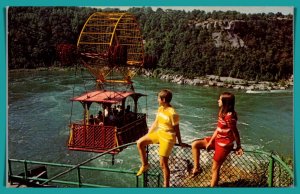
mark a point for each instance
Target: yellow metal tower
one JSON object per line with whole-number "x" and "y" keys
{"x": 111, "y": 42}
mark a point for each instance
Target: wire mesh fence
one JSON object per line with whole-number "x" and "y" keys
{"x": 252, "y": 169}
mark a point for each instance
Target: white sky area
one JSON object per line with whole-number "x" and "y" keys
{"x": 285, "y": 10}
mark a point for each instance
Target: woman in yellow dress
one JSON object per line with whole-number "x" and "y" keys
{"x": 163, "y": 131}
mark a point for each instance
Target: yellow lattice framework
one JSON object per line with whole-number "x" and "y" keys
{"x": 111, "y": 41}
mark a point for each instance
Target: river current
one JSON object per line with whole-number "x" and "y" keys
{"x": 39, "y": 111}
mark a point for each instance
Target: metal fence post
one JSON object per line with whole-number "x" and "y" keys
{"x": 112, "y": 159}
{"x": 25, "y": 169}
{"x": 145, "y": 175}
{"x": 144, "y": 183}
{"x": 137, "y": 181}
{"x": 9, "y": 171}
{"x": 79, "y": 178}
{"x": 158, "y": 180}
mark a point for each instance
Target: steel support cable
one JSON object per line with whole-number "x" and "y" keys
{"x": 83, "y": 80}
{"x": 73, "y": 92}
{"x": 86, "y": 161}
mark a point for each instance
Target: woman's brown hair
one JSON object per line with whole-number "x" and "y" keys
{"x": 228, "y": 102}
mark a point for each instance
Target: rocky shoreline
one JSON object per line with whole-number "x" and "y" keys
{"x": 204, "y": 81}
{"x": 225, "y": 82}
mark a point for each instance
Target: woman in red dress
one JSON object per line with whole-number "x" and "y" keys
{"x": 222, "y": 140}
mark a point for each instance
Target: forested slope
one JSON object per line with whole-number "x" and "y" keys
{"x": 196, "y": 43}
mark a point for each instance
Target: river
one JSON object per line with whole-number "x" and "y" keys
{"x": 39, "y": 111}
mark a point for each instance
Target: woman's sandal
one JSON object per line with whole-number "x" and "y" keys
{"x": 143, "y": 169}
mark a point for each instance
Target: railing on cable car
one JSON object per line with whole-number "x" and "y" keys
{"x": 99, "y": 138}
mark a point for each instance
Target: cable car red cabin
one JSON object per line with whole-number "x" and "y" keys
{"x": 112, "y": 128}
{"x": 110, "y": 46}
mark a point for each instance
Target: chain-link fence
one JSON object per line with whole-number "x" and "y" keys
{"x": 252, "y": 169}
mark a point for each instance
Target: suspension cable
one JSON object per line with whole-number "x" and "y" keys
{"x": 73, "y": 92}
{"x": 83, "y": 80}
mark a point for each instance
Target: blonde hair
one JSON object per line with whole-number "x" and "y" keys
{"x": 165, "y": 94}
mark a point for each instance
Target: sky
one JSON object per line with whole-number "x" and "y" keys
{"x": 243, "y": 9}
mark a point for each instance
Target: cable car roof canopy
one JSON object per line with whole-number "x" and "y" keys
{"x": 106, "y": 97}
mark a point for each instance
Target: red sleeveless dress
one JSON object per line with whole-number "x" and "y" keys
{"x": 224, "y": 140}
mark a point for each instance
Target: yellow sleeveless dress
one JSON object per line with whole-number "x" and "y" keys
{"x": 165, "y": 134}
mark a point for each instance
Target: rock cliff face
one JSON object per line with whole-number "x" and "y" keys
{"x": 227, "y": 32}
{"x": 233, "y": 25}
{"x": 227, "y": 39}
{"x": 224, "y": 32}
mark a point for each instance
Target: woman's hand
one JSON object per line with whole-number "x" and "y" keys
{"x": 207, "y": 147}
{"x": 239, "y": 151}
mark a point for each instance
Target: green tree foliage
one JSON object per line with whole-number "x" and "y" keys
{"x": 174, "y": 40}
{"x": 34, "y": 33}
{"x": 181, "y": 44}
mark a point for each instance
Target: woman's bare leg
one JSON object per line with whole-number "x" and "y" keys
{"x": 216, "y": 166}
{"x": 196, "y": 146}
{"x": 141, "y": 145}
{"x": 166, "y": 170}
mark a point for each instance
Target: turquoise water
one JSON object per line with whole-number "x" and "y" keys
{"x": 39, "y": 112}
{"x": 265, "y": 120}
